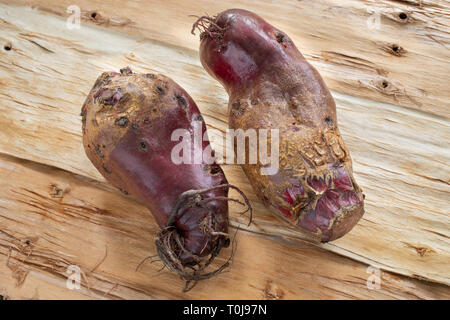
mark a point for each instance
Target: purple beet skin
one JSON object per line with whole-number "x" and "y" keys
{"x": 271, "y": 86}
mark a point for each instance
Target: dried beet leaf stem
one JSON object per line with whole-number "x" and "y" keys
{"x": 207, "y": 27}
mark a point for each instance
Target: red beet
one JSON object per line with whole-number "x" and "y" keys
{"x": 128, "y": 121}
{"x": 271, "y": 86}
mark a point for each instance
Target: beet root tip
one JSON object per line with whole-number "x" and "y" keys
{"x": 169, "y": 246}
{"x": 170, "y": 242}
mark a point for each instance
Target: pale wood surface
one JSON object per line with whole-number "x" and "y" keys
{"x": 401, "y": 156}
{"x": 332, "y": 34}
{"x": 52, "y": 219}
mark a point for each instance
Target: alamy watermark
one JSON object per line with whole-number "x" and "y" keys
{"x": 374, "y": 280}
{"x": 374, "y": 21}
{"x": 74, "y": 20}
{"x": 263, "y": 147}
{"x": 73, "y": 281}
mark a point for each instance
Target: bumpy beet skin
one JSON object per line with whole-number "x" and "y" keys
{"x": 128, "y": 120}
{"x": 272, "y": 86}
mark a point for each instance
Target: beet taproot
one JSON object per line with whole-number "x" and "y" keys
{"x": 271, "y": 86}
{"x": 128, "y": 120}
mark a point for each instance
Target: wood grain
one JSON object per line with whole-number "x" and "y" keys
{"x": 52, "y": 219}
{"x": 389, "y": 51}
{"x": 400, "y": 155}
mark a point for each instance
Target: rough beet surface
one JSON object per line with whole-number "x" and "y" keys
{"x": 128, "y": 120}
{"x": 271, "y": 86}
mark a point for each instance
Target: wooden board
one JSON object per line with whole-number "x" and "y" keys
{"x": 400, "y": 153}
{"x": 389, "y": 51}
{"x": 51, "y": 219}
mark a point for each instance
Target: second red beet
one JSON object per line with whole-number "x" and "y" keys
{"x": 271, "y": 86}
